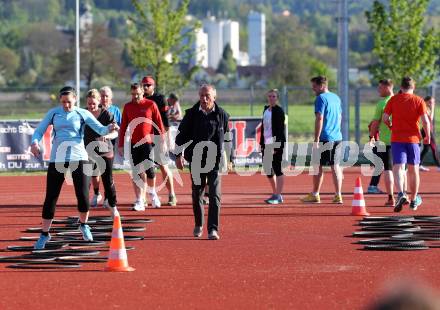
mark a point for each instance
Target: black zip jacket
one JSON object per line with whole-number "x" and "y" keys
{"x": 278, "y": 126}
{"x": 196, "y": 127}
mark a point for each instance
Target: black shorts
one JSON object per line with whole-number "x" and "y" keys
{"x": 140, "y": 154}
{"x": 328, "y": 156}
{"x": 386, "y": 157}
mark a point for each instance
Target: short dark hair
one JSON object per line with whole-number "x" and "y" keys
{"x": 135, "y": 86}
{"x": 407, "y": 82}
{"x": 319, "y": 80}
{"x": 173, "y": 96}
{"x": 427, "y": 98}
{"x": 386, "y": 82}
{"x": 67, "y": 90}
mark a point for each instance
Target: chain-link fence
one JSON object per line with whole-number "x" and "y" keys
{"x": 297, "y": 102}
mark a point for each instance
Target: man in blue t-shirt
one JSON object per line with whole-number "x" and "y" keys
{"x": 328, "y": 135}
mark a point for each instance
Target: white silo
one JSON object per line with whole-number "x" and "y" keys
{"x": 257, "y": 38}
{"x": 214, "y": 30}
{"x": 231, "y": 35}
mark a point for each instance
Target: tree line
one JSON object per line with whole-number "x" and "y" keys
{"x": 131, "y": 37}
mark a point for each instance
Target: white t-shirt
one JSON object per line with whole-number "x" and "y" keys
{"x": 267, "y": 123}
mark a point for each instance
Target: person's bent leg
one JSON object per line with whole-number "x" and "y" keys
{"x": 107, "y": 181}
{"x": 54, "y": 183}
{"x": 80, "y": 183}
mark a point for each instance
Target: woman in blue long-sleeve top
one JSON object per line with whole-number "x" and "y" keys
{"x": 68, "y": 153}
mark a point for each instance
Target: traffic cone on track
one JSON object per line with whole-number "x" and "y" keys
{"x": 117, "y": 257}
{"x": 358, "y": 203}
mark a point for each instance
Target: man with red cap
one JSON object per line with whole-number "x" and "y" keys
{"x": 149, "y": 85}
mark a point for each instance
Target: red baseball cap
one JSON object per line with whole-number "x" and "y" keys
{"x": 148, "y": 80}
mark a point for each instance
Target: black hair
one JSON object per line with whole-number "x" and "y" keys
{"x": 319, "y": 80}
{"x": 67, "y": 90}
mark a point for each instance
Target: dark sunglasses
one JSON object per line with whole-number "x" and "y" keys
{"x": 147, "y": 85}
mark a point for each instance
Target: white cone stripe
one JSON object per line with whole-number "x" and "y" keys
{"x": 118, "y": 255}
{"x": 118, "y": 234}
{"x": 358, "y": 203}
{"x": 358, "y": 190}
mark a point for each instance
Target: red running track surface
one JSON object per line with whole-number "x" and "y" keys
{"x": 291, "y": 256}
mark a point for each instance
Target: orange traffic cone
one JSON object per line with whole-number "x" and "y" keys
{"x": 358, "y": 203}
{"x": 117, "y": 258}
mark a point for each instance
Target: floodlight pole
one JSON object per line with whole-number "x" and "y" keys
{"x": 77, "y": 70}
{"x": 343, "y": 66}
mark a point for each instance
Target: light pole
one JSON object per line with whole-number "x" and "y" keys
{"x": 77, "y": 70}
{"x": 343, "y": 66}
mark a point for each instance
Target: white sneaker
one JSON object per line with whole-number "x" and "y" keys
{"x": 113, "y": 211}
{"x": 95, "y": 200}
{"x": 155, "y": 201}
{"x": 105, "y": 204}
{"x": 423, "y": 168}
{"x": 139, "y": 206}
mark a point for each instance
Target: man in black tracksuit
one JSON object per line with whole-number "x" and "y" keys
{"x": 205, "y": 128}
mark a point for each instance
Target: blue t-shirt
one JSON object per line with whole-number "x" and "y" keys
{"x": 116, "y": 113}
{"x": 328, "y": 104}
{"x": 68, "y": 133}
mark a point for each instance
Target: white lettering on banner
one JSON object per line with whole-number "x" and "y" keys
{"x": 14, "y": 165}
{"x": 8, "y": 129}
{"x": 5, "y": 149}
{"x": 26, "y": 129}
{"x": 18, "y": 157}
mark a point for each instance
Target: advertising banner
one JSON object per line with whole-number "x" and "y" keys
{"x": 15, "y": 139}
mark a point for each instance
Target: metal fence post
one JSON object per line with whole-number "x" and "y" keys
{"x": 357, "y": 115}
{"x": 285, "y": 100}
{"x": 251, "y": 100}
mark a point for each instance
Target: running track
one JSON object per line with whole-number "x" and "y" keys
{"x": 291, "y": 256}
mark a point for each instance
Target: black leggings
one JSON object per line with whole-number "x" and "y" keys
{"x": 433, "y": 147}
{"x": 276, "y": 163}
{"x": 54, "y": 183}
{"x": 107, "y": 181}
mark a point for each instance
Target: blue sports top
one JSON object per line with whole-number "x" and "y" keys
{"x": 68, "y": 133}
{"x": 116, "y": 113}
{"x": 328, "y": 104}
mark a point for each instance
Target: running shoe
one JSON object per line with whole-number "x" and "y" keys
{"x": 41, "y": 242}
{"x": 155, "y": 201}
{"x": 402, "y": 199}
{"x": 213, "y": 235}
{"x": 423, "y": 168}
{"x": 310, "y": 198}
{"x": 390, "y": 202}
{"x": 105, "y": 204}
{"x": 372, "y": 189}
{"x": 86, "y": 232}
{"x": 95, "y": 200}
{"x": 274, "y": 199}
{"x": 198, "y": 231}
{"x": 338, "y": 199}
{"x": 172, "y": 200}
{"x": 415, "y": 203}
{"x": 139, "y": 206}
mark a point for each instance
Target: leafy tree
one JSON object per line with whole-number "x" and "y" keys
{"x": 101, "y": 56}
{"x": 9, "y": 64}
{"x": 160, "y": 40}
{"x": 401, "y": 45}
{"x": 227, "y": 64}
{"x": 290, "y": 53}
